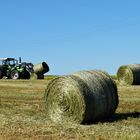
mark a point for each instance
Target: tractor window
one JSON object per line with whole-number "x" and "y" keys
{"x": 4, "y": 62}
{"x": 15, "y": 61}
{"x": 12, "y": 62}
{"x": 8, "y": 62}
{"x": 1, "y": 63}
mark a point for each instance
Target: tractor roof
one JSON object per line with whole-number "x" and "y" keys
{"x": 7, "y": 59}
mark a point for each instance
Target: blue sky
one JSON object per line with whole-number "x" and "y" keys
{"x": 71, "y": 35}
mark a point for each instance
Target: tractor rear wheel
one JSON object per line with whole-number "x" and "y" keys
{"x": 15, "y": 74}
{"x": 26, "y": 75}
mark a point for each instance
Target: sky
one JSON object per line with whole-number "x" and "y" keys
{"x": 71, "y": 35}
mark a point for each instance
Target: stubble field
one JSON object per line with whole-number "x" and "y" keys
{"x": 23, "y": 116}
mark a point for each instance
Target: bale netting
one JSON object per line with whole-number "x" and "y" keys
{"x": 129, "y": 74}
{"x": 41, "y": 68}
{"x": 83, "y": 97}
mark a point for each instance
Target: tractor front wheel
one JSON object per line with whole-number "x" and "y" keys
{"x": 15, "y": 74}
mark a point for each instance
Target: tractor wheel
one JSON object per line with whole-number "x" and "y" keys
{"x": 1, "y": 74}
{"x": 15, "y": 74}
{"x": 40, "y": 76}
{"x": 26, "y": 75}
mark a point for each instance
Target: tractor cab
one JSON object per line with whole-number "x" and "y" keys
{"x": 8, "y": 61}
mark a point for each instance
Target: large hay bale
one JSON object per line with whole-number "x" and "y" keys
{"x": 129, "y": 74}
{"x": 83, "y": 97}
{"x": 41, "y": 68}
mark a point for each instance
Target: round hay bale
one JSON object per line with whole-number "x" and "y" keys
{"x": 83, "y": 97}
{"x": 129, "y": 74}
{"x": 41, "y": 68}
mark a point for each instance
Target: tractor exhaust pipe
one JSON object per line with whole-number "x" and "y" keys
{"x": 20, "y": 60}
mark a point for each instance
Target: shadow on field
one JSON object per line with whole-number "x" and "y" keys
{"x": 118, "y": 117}
{"x": 123, "y": 116}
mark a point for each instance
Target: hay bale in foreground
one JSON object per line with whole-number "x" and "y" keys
{"x": 129, "y": 74}
{"x": 83, "y": 97}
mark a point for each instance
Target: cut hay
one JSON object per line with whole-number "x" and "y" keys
{"x": 33, "y": 76}
{"x": 129, "y": 74}
{"x": 83, "y": 97}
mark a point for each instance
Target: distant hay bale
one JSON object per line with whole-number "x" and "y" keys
{"x": 129, "y": 74}
{"x": 83, "y": 97}
{"x": 41, "y": 68}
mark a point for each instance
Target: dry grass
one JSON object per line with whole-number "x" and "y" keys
{"x": 22, "y": 116}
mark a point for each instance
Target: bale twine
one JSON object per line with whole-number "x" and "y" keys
{"x": 83, "y": 97}
{"x": 41, "y": 68}
{"x": 129, "y": 74}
